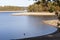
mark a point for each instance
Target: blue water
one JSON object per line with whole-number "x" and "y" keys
{"x": 14, "y": 27}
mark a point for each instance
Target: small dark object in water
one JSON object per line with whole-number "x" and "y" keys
{"x": 24, "y": 34}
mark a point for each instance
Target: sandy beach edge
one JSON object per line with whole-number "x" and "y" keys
{"x": 34, "y": 14}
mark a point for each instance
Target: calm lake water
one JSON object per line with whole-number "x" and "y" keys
{"x": 14, "y": 27}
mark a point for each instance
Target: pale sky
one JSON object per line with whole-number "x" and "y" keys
{"x": 16, "y": 2}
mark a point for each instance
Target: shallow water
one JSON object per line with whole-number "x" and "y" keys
{"x": 14, "y": 27}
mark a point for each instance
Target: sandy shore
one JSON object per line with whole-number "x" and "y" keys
{"x": 34, "y": 14}
{"x": 51, "y": 22}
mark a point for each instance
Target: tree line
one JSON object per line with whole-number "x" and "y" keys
{"x": 10, "y": 8}
{"x": 45, "y": 5}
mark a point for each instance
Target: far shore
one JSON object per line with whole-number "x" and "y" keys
{"x": 20, "y": 11}
{"x": 11, "y": 11}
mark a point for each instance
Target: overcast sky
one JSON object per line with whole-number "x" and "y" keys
{"x": 16, "y": 2}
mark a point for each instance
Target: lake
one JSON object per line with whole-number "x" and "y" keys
{"x": 14, "y": 27}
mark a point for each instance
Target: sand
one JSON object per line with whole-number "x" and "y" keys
{"x": 34, "y": 14}
{"x": 52, "y": 22}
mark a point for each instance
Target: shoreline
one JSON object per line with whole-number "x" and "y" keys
{"x": 52, "y": 23}
{"x": 34, "y": 14}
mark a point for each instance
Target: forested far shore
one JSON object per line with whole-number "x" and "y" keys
{"x": 38, "y": 6}
{"x": 11, "y": 8}
{"x": 44, "y": 5}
